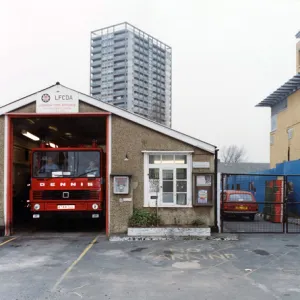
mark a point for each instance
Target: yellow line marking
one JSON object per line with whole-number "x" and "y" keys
{"x": 7, "y": 241}
{"x": 75, "y": 262}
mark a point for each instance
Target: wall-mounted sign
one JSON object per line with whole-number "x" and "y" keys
{"x": 203, "y": 180}
{"x": 125, "y": 199}
{"x": 202, "y": 197}
{"x": 201, "y": 164}
{"x": 57, "y": 100}
{"x": 203, "y": 189}
{"x": 121, "y": 185}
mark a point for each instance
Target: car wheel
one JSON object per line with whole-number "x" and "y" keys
{"x": 251, "y": 217}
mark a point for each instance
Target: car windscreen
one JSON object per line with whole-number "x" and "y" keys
{"x": 47, "y": 164}
{"x": 240, "y": 197}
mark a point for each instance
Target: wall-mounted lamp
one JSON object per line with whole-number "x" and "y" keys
{"x": 126, "y": 157}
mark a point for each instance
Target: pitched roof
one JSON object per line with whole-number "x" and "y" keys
{"x": 290, "y": 87}
{"x": 116, "y": 111}
{"x": 242, "y": 168}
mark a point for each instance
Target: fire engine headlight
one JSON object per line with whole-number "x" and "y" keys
{"x": 36, "y": 206}
{"x": 95, "y": 206}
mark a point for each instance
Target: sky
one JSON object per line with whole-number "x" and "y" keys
{"x": 227, "y": 56}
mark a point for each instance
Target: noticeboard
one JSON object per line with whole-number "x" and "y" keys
{"x": 121, "y": 185}
{"x": 203, "y": 189}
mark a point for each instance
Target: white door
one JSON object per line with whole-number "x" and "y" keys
{"x": 168, "y": 186}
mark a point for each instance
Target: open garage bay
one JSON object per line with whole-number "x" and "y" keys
{"x": 57, "y": 132}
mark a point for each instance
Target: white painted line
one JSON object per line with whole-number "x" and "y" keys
{"x": 84, "y": 252}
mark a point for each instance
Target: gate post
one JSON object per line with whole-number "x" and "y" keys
{"x": 222, "y": 203}
{"x": 285, "y": 205}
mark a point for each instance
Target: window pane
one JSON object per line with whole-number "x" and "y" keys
{"x": 168, "y": 159}
{"x": 181, "y": 173}
{"x": 181, "y": 186}
{"x": 168, "y": 186}
{"x": 167, "y": 198}
{"x": 241, "y": 197}
{"x": 153, "y": 173}
{"x": 181, "y": 199}
{"x": 167, "y": 174}
{"x": 180, "y": 159}
{"x": 154, "y": 159}
{"x": 67, "y": 163}
{"x": 154, "y": 185}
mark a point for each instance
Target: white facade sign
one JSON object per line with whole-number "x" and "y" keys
{"x": 58, "y": 101}
{"x": 201, "y": 164}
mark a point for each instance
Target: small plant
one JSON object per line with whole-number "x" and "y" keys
{"x": 198, "y": 222}
{"x": 143, "y": 218}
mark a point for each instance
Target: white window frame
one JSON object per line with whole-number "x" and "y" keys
{"x": 174, "y": 166}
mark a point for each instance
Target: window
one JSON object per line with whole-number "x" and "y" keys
{"x": 272, "y": 139}
{"x": 274, "y": 123}
{"x": 290, "y": 133}
{"x": 168, "y": 179}
{"x": 240, "y": 197}
{"x": 66, "y": 164}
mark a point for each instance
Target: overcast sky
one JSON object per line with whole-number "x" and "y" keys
{"x": 228, "y": 55}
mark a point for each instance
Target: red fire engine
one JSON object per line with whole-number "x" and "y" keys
{"x": 67, "y": 180}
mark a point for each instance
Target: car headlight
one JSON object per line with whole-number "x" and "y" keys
{"x": 36, "y": 206}
{"x": 95, "y": 206}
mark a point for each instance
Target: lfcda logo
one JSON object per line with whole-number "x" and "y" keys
{"x": 45, "y": 98}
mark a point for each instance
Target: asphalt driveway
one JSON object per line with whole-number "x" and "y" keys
{"x": 86, "y": 266}
{"x": 259, "y": 225}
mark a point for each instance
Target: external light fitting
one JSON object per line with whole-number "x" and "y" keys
{"x": 30, "y": 135}
{"x": 126, "y": 157}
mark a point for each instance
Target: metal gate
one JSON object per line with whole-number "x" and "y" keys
{"x": 260, "y": 203}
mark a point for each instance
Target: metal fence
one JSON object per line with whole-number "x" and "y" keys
{"x": 292, "y": 211}
{"x": 260, "y": 203}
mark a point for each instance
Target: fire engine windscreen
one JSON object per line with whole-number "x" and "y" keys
{"x": 47, "y": 164}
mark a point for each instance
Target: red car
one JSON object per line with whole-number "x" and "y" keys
{"x": 238, "y": 203}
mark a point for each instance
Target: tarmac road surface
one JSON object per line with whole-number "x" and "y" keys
{"x": 87, "y": 266}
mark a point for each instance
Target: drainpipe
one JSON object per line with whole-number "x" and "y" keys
{"x": 215, "y": 228}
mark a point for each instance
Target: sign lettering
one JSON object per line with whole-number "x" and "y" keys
{"x": 57, "y": 100}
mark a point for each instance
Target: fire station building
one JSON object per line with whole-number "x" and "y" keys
{"x": 145, "y": 165}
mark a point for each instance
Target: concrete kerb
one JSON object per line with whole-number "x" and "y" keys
{"x": 216, "y": 237}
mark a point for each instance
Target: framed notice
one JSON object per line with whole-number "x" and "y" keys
{"x": 202, "y": 189}
{"x": 121, "y": 184}
{"x": 203, "y": 180}
{"x": 202, "y": 197}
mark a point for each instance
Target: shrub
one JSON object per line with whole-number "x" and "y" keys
{"x": 143, "y": 218}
